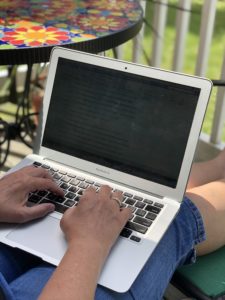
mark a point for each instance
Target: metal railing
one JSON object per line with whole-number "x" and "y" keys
{"x": 212, "y": 142}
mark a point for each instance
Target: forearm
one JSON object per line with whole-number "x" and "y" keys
{"x": 77, "y": 275}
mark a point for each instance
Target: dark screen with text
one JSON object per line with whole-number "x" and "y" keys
{"x": 127, "y": 122}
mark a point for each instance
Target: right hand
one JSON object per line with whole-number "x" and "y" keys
{"x": 97, "y": 220}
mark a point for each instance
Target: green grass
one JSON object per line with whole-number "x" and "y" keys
{"x": 216, "y": 50}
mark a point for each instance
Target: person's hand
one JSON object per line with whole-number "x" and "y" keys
{"x": 91, "y": 228}
{"x": 14, "y": 191}
{"x": 97, "y": 220}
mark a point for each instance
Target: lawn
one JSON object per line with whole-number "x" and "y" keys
{"x": 191, "y": 50}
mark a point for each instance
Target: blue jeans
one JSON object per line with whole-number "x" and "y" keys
{"x": 23, "y": 276}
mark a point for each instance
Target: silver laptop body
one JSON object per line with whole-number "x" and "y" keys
{"x": 130, "y": 126}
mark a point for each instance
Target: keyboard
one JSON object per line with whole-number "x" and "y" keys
{"x": 144, "y": 210}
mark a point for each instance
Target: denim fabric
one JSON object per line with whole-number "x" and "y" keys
{"x": 23, "y": 276}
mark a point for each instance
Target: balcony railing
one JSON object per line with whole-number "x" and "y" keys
{"x": 212, "y": 142}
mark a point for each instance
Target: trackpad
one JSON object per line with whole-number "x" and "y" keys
{"x": 44, "y": 236}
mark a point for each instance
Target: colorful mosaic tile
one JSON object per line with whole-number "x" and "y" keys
{"x": 34, "y": 23}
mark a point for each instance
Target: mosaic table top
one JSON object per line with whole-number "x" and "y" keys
{"x": 33, "y": 27}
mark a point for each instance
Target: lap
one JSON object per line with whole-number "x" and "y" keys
{"x": 14, "y": 262}
{"x": 29, "y": 285}
{"x": 176, "y": 247}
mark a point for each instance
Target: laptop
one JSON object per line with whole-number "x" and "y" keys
{"x": 133, "y": 127}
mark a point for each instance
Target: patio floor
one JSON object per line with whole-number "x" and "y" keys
{"x": 17, "y": 152}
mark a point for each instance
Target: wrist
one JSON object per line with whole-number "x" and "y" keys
{"x": 87, "y": 255}
{"x": 79, "y": 268}
{"x": 89, "y": 247}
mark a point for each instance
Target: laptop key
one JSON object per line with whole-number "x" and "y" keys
{"x": 135, "y": 238}
{"x": 132, "y": 208}
{"x": 64, "y": 186}
{"x": 54, "y": 169}
{"x": 70, "y": 195}
{"x": 138, "y": 198}
{"x": 62, "y": 172}
{"x": 58, "y": 207}
{"x": 45, "y": 166}
{"x": 151, "y": 216}
{"x": 148, "y": 201}
{"x": 65, "y": 178}
{"x": 136, "y": 227}
{"x": 158, "y": 205}
{"x": 89, "y": 181}
{"x": 57, "y": 182}
{"x": 57, "y": 176}
{"x": 34, "y": 198}
{"x": 59, "y": 199}
{"x": 126, "y": 232}
{"x": 42, "y": 193}
{"x": 71, "y": 175}
{"x": 69, "y": 203}
{"x": 83, "y": 185}
{"x": 74, "y": 182}
{"x": 51, "y": 172}
{"x": 77, "y": 198}
{"x": 80, "y": 192}
{"x": 142, "y": 221}
{"x": 153, "y": 209}
{"x": 72, "y": 189}
{"x": 139, "y": 204}
{"x": 140, "y": 212}
{"x": 37, "y": 164}
{"x": 128, "y": 195}
{"x": 130, "y": 201}
{"x": 51, "y": 196}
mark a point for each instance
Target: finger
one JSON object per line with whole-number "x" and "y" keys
{"x": 27, "y": 169}
{"x": 36, "y": 211}
{"x": 104, "y": 192}
{"x": 90, "y": 191}
{"x": 118, "y": 195}
{"x": 43, "y": 184}
{"x": 38, "y": 172}
{"x": 88, "y": 194}
{"x": 117, "y": 198}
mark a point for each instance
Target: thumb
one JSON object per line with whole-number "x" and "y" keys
{"x": 37, "y": 211}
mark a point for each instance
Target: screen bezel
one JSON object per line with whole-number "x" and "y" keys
{"x": 126, "y": 179}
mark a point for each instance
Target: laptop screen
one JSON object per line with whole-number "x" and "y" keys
{"x": 127, "y": 122}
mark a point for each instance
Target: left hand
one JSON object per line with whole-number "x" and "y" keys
{"x": 14, "y": 191}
